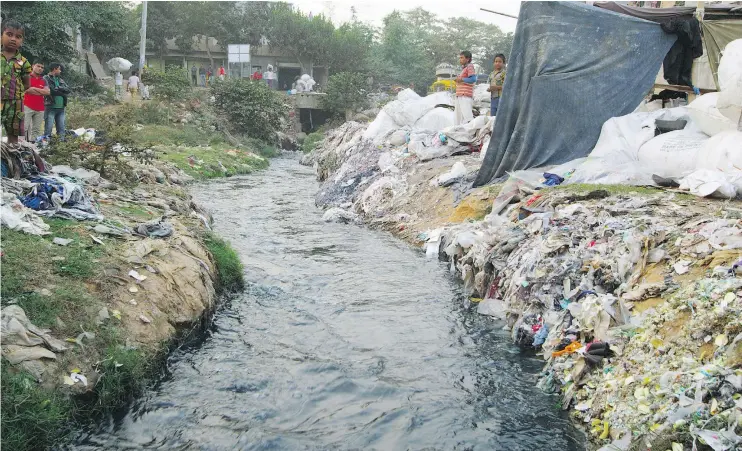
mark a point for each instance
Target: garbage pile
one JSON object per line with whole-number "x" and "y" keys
{"x": 364, "y": 165}
{"x": 27, "y": 345}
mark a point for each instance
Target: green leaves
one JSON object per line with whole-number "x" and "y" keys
{"x": 345, "y": 91}
{"x": 250, "y": 106}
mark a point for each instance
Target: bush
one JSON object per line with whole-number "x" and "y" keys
{"x": 172, "y": 83}
{"x": 312, "y": 141}
{"x": 251, "y": 107}
{"x": 114, "y": 136}
{"x": 82, "y": 84}
{"x": 345, "y": 92}
{"x": 228, "y": 264}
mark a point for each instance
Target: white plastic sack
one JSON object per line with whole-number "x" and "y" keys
{"x": 722, "y": 152}
{"x": 380, "y": 127}
{"x": 386, "y": 163}
{"x": 435, "y": 120}
{"x": 492, "y": 307}
{"x": 485, "y": 146}
{"x": 606, "y": 172}
{"x": 408, "y": 94}
{"x": 481, "y": 95}
{"x": 672, "y": 154}
{"x": 730, "y": 81}
{"x": 119, "y": 64}
{"x": 457, "y": 171}
{"x": 710, "y": 183}
{"x": 704, "y": 113}
{"x": 398, "y": 138}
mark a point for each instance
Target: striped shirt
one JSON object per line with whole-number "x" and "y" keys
{"x": 466, "y": 89}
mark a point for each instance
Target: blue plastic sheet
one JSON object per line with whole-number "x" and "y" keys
{"x": 572, "y": 67}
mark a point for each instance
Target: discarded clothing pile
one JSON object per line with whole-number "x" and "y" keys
{"x": 21, "y": 160}
{"x": 25, "y": 344}
{"x": 54, "y": 196}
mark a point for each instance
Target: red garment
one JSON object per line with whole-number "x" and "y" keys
{"x": 222, "y": 71}
{"x": 33, "y": 101}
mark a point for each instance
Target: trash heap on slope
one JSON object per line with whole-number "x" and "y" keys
{"x": 586, "y": 280}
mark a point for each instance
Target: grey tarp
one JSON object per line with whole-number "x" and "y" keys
{"x": 572, "y": 67}
{"x": 717, "y": 34}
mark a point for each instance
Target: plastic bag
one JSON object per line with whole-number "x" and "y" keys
{"x": 709, "y": 183}
{"x": 704, "y": 113}
{"x": 672, "y": 154}
{"x": 730, "y": 81}
{"x": 119, "y": 64}
{"x": 457, "y": 171}
{"x": 722, "y": 152}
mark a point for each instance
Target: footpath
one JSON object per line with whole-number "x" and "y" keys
{"x": 631, "y": 294}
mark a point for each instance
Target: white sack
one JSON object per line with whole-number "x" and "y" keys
{"x": 730, "y": 81}
{"x": 119, "y": 64}
{"x": 672, "y": 154}
{"x": 704, "y": 113}
{"x": 380, "y": 127}
{"x": 710, "y": 183}
{"x": 458, "y": 170}
{"x": 408, "y": 94}
{"x": 722, "y": 152}
{"x": 435, "y": 120}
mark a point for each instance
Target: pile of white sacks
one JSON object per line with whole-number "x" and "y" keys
{"x": 425, "y": 126}
{"x": 704, "y": 158}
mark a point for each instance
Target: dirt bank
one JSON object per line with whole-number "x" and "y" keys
{"x": 91, "y": 308}
{"x": 652, "y": 273}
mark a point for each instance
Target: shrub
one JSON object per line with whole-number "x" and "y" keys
{"x": 82, "y": 84}
{"x": 172, "y": 83}
{"x": 114, "y": 137}
{"x": 228, "y": 264}
{"x": 251, "y": 107}
{"x": 345, "y": 92}
{"x": 312, "y": 141}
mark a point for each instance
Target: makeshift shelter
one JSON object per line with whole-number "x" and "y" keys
{"x": 572, "y": 67}
{"x": 721, "y": 24}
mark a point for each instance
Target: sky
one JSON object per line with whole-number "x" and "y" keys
{"x": 373, "y": 11}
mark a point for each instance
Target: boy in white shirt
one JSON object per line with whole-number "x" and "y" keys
{"x": 119, "y": 79}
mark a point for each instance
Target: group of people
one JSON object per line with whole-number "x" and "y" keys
{"x": 202, "y": 76}
{"x": 465, "y": 86}
{"x": 134, "y": 85}
{"x": 29, "y": 96}
{"x": 269, "y": 76}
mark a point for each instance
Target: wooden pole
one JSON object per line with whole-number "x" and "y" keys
{"x": 495, "y": 12}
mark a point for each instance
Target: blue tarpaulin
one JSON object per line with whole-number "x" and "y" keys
{"x": 572, "y": 67}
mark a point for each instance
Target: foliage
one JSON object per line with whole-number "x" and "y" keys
{"x": 176, "y": 135}
{"x": 228, "y": 263}
{"x": 46, "y": 37}
{"x": 312, "y": 141}
{"x": 308, "y": 39}
{"x": 351, "y": 48}
{"x": 345, "y": 91}
{"x": 81, "y": 84}
{"x": 32, "y": 416}
{"x": 115, "y": 136}
{"x": 251, "y": 107}
{"x": 172, "y": 83}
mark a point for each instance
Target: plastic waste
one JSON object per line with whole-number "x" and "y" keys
{"x": 672, "y": 154}
{"x": 710, "y": 183}
{"x": 729, "y": 73}
{"x": 158, "y": 228}
{"x": 457, "y": 171}
{"x": 119, "y": 64}
{"x": 709, "y": 119}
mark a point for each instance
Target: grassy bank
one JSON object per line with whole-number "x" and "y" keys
{"x": 64, "y": 289}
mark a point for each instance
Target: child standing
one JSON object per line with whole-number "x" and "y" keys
{"x": 16, "y": 74}
{"x": 465, "y": 89}
{"x": 496, "y": 80}
{"x": 133, "y": 83}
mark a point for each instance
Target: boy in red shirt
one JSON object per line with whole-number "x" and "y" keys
{"x": 465, "y": 89}
{"x": 33, "y": 102}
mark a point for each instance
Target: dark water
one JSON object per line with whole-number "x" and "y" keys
{"x": 345, "y": 339}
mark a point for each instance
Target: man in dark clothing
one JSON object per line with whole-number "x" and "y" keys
{"x": 202, "y": 75}
{"x": 194, "y": 75}
{"x": 56, "y": 101}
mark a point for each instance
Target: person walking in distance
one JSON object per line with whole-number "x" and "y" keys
{"x": 133, "y": 86}
{"x": 465, "y": 89}
{"x": 202, "y": 75}
{"x": 33, "y": 103}
{"x": 194, "y": 75}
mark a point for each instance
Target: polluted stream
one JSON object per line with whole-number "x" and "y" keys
{"x": 345, "y": 338}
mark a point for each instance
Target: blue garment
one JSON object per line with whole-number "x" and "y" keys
{"x": 472, "y": 79}
{"x": 541, "y": 336}
{"x": 54, "y": 116}
{"x": 552, "y": 179}
{"x": 494, "y": 103}
{"x": 555, "y": 73}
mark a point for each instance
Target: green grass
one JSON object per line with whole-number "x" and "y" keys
{"x": 234, "y": 161}
{"x": 228, "y": 265}
{"x": 312, "y": 141}
{"x": 176, "y": 135}
{"x": 32, "y": 416}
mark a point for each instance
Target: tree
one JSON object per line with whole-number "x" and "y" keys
{"x": 49, "y": 25}
{"x": 350, "y": 48}
{"x": 345, "y": 93}
{"x": 308, "y": 40}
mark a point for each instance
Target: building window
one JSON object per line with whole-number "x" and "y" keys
{"x": 238, "y": 56}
